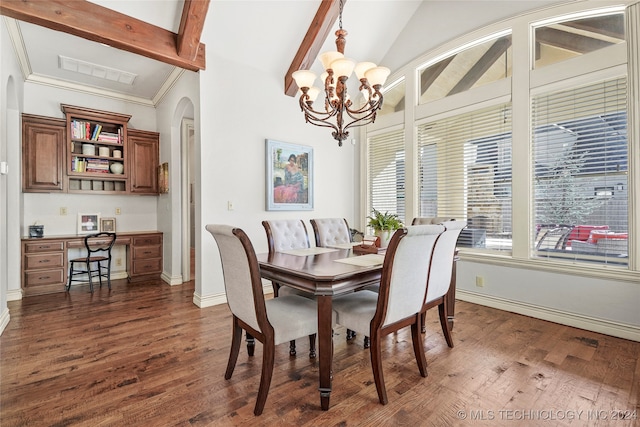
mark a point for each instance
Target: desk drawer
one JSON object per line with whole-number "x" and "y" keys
{"x": 44, "y": 277}
{"x": 147, "y": 240}
{"x": 40, "y": 261}
{"x": 43, "y": 246}
{"x": 147, "y": 252}
{"x": 146, "y": 266}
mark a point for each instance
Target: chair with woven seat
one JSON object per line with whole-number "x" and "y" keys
{"x": 286, "y": 235}
{"x": 98, "y": 247}
{"x": 442, "y": 265}
{"x": 400, "y": 301}
{"x": 273, "y": 321}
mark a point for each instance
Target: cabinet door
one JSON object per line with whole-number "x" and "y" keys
{"x": 43, "y": 142}
{"x": 144, "y": 158}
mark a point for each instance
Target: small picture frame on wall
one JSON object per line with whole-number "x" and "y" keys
{"x": 289, "y": 177}
{"x": 108, "y": 225}
{"x": 88, "y": 223}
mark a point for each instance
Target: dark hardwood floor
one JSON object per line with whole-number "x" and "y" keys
{"x": 144, "y": 355}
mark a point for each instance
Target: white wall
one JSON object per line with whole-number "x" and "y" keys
{"x": 182, "y": 101}
{"x": 236, "y": 116}
{"x": 11, "y": 89}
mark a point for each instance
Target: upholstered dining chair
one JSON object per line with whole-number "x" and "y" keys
{"x": 286, "y": 235}
{"x": 273, "y": 321}
{"x": 400, "y": 302}
{"x": 331, "y": 231}
{"x": 97, "y": 261}
{"x": 440, "y": 274}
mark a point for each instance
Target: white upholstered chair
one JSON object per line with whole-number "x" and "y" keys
{"x": 286, "y": 235}
{"x": 400, "y": 302}
{"x": 441, "y": 272}
{"x": 272, "y": 321}
{"x": 430, "y": 220}
{"x": 331, "y": 231}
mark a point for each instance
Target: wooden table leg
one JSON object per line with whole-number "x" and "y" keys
{"x": 325, "y": 348}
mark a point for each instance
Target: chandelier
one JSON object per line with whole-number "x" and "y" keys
{"x": 339, "y": 112}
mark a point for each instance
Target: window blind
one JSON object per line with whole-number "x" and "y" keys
{"x": 580, "y": 172}
{"x": 465, "y": 173}
{"x": 386, "y": 173}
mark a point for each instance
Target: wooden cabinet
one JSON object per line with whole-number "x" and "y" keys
{"x": 90, "y": 151}
{"x": 43, "y": 266}
{"x": 144, "y": 158}
{"x": 145, "y": 256}
{"x": 96, "y": 150}
{"x": 43, "y": 150}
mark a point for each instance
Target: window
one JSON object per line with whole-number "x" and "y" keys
{"x": 386, "y": 173}
{"x": 475, "y": 66}
{"x": 580, "y": 172}
{"x": 559, "y": 41}
{"x": 393, "y": 98}
{"x": 465, "y": 173}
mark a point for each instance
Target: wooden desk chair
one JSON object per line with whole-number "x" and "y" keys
{"x": 272, "y": 321}
{"x": 403, "y": 288}
{"x": 286, "y": 235}
{"x": 98, "y": 247}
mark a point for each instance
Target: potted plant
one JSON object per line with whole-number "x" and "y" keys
{"x": 384, "y": 225}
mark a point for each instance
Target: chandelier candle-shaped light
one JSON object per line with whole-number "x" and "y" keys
{"x": 337, "y": 102}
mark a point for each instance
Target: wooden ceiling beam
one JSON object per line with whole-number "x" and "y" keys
{"x": 99, "y": 24}
{"x": 317, "y": 33}
{"x": 194, "y": 13}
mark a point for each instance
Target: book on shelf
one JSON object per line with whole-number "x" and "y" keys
{"x": 96, "y": 132}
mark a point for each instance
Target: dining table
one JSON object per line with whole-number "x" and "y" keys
{"x": 327, "y": 273}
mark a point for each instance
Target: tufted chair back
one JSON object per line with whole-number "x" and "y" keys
{"x": 430, "y": 220}
{"x": 286, "y": 234}
{"x": 331, "y": 231}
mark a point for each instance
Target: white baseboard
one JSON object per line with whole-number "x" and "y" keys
{"x": 171, "y": 280}
{"x": 620, "y": 330}
{"x": 209, "y": 301}
{"x": 14, "y": 295}
{"x": 4, "y": 319}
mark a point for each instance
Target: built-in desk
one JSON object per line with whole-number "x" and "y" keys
{"x": 45, "y": 259}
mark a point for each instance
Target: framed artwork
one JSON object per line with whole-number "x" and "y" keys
{"x": 108, "y": 225}
{"x": 88, "y": 223}
{"x": 289, "y": 177}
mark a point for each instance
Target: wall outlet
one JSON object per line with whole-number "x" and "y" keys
{"x": 63, "y": 211}
{"x": 479, "y": 281}
{"x": 229, "y": 205}
{"x": 118, "y": 262}
{"x": 118, "y": 211}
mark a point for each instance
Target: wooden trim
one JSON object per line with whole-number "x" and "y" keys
{"x": 194, "y": 13}
{"x": 102, "y": 25}
{"x": 317, "y": 33}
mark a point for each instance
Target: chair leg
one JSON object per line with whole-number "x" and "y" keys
{"x": 70, "y": 276}
{"x": 312, "y": 346}
{"x": 423, "y": 320}
{"x": 90, "y": 276}
{"x": 367, "y": 342}
{"x": 350, "y": 334}
{"x": 100, "y": 273}
{"x": 236, "y": 338}
{"x": 251, "y": 344}
{"x": 376, "y": 365}
{"x": 418, "y": 348}
{"x": 292, "y": 348}
{"x": 268, "y": 356}
{"x": 109, "y": 274}
{"x": 444, "y": 322}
